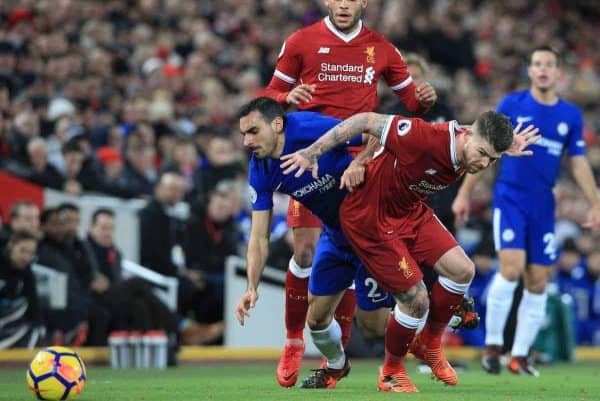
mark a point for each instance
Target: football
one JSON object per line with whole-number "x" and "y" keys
{"x": 56, "y": 373}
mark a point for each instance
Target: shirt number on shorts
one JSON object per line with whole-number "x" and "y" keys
{"x": 550, "y": 248}
{"x": 375, "y": 293}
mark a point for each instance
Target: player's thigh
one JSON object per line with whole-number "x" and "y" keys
{"x": 321, "y": 309}
{"x": 536, "y": 277}
{"x": 372, "y": 323}
{"x": 509, "y": 222}
{"x": 369, "y": 294}
{"x": 331, "y": 272}
{"x": 541, "y": 242}
{"x": 435, "y": 246}
{"x": 391, "y": 265}
{"x": 455, "y": 265}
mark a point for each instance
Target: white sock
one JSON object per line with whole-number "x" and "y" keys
{"x": 499, "y": 301}
{"x": 329, "y": 342}
{"x": 530, "y": 318}
{"x": 408, "y": 321}
{"x": 296, "y": 270}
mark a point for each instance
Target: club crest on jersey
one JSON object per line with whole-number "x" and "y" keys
{"x": 562, "y": 128}
{"x": 405, "y": 268}
{"x": 403, "y": 127}
{"x": 370, "y": 52}
{"x": 252, "y": 194}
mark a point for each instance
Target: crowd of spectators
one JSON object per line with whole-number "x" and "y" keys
{"x": 137, "y": 99}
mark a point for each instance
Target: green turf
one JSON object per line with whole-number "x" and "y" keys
{"x": 255, "y": 381}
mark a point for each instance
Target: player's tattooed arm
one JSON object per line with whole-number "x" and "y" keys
{"x": 368, "y": 123}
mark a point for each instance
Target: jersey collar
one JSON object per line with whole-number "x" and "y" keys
{"x": 345, "y": 37}
{"x": 454, "y": 128}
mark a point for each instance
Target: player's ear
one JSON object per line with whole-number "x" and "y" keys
{"x": 277, "y": 125}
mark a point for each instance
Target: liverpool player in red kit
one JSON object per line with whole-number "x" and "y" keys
{"x": 332, "y": 67}
{"x": 394, "y": 232}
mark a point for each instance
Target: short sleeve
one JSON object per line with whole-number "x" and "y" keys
{"x": 401, "y": 134}
{"x": 576, "y": 144}
{"x": 261, "y": 195}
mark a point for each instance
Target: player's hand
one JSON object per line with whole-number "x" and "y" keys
{"x": 425, "y": 94}
{"x": 353, "y": 176}
{"x": 461, "y": 209}
{"x": 246, "y": 302}
{"x": 523, "y": 138}
{"x": 593, "y": 217}
{"x": 300, "y": 94}
{"x": 299, "y": 161}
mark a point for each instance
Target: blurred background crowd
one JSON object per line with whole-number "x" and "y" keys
{"x": 137, "y": 99}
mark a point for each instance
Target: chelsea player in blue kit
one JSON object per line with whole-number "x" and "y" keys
{"x": 523, "y": 209}
{"x": 269, "y": 134}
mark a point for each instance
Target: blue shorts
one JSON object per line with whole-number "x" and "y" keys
{"x": 525, "y": 221}
{"x": 335, "y": 268}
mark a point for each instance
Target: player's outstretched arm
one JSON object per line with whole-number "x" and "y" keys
{"x": 461, "y": 206}
{"x": 306, "y": 159}
{"x": 523, "y": 138}
{"x": 258, "y": 250}
{"x": 582, "y": 172}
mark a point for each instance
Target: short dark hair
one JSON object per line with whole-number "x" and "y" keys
{"x": 71, "y": 147}
{"x": 47, "y": 213}
{"x": 495, "y": 128}
{"x": 545, "y": 48}
{"x": 268, "y": 107}
{"x": 100, "y": 212}
{"x": 69, "y": 206}
{"x": 18, "y": 236}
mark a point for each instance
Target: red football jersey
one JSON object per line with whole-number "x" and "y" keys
{"x": 418, "y": 159}
{"x": 344, "y": 67}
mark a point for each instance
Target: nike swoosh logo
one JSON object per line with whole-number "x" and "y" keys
{"x": 278, "y": 186}
{"x": 288, "y": 377}
{"x": 523, "y": 119}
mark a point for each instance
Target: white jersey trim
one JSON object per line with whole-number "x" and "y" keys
{"x": 453, "y": 127}
{"x": 284, "y": 77}
{"x": 402, "y": 84}
{"x": 384, "y": 134}
{"x": 346, "y": 37}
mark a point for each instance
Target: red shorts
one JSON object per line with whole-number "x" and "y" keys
{"x": 299, "y": 216}
{"x": 395, "y": 259}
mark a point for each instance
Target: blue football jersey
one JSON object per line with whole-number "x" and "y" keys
{"x": 561, "y": 127}
{"x": 321, "y": 196}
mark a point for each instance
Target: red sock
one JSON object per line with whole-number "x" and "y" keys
{"x": 397, "y": 341}
{"x": 442, "y": 304}
{"x": 345, "y": 313}
{"x": 296, "y": 305}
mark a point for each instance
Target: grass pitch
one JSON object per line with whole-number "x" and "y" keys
{"x": 256, "y": 381}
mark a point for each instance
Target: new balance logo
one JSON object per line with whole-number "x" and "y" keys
{"x": 431, "y": 171}
{"x": 323, "y": 50}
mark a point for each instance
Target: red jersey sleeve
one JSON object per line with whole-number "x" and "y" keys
{"x": 287, "y": 70}
{"x": 404, "y": 136}
{"x": 400, "y": 81}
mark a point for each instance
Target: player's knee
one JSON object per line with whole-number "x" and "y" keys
{"x": 464, "y": 273}
{"x": 372, "y": 325}
{"x": 537, "y": 287}
{"x": 303, "y": 257}
{"x": 510, "y": 273}
{"x": 319, "y": 315}
{"x": 318, "y": 321}
{"x": 415, "y": 301}
{"x": 304, "y": 249}
{"x": 420, "y": 305}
